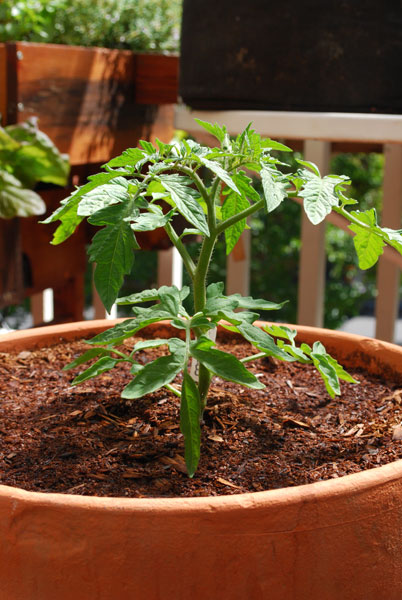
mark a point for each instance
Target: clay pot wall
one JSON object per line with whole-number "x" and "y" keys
{"x": 332, "y": 540}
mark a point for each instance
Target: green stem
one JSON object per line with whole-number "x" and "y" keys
{"x": 346, "y": 215}
{"x": 253, "y": 357}
{"x": 239, "y": 216}
{"x": 172, "y": 389}
{"x": 197, "y": 180}
{"x": 176, "y": 241}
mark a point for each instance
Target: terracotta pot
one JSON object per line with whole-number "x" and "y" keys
{"x": 332, "y": 540}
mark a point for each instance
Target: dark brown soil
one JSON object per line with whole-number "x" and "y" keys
{"x": 86, "y": 440}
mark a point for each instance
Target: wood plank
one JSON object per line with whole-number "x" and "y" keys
{"x": 51, "y": 266}
{"x": 238, "y": 266}
{"x": 170, "y": 268}
{"x": 344, "y": 127}
{"x": 3, "y": 85}
{"x": 157, "y": 78}
{"x": 11, "y": 273}
{"x": 84, "y": 98}
{"x": 310, "y": 307}
{"x": 388, "y": 274}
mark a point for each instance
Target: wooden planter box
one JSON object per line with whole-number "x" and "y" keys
{"x": 309, "y": 56}
{"x": 92, "y": 102}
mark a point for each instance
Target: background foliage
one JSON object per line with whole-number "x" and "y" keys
{"x": 139, "y": 25}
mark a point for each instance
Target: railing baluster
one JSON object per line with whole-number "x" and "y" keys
{"x": 388, "y": 274}
{"x": 238, "y": 266}
{"x": 310, "y": 309}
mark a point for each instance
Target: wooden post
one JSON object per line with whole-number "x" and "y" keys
{"x": 3, "y": 85}
{"x": 170, "y": 268}
{"x": 238, "y": 266}
{"x": 310, "y": 310}
{"x": 388, "y": 274}
{"x": 37, "y": 308}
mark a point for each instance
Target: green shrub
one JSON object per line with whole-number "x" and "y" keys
{"x": 139, "y": 25}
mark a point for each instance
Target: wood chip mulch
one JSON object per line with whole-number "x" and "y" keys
{"x": 87, "y": 440}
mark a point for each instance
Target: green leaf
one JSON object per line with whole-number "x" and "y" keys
{"x": 136, "y": 368}
{"x": 7, "y": 144}
{"x": 223, "y": 364}
{"x": 112, "y": 251}
{"x": 190, "y": 423}
{"x": 281, "y": 331}
{"x": 16, "y": 201}
{"x": 294, "y": 351}
{"x": 285, "y": 333}
{"x": 88, "y": 355}
{"x": 69, "y": 223}
{"x": 149, "y": 221}
{"x": 155, "y": 343}
{"x": 319, "y": 196}
{"x": 328, "y": 373}
{"x": 273, "y": 145}
{"x": 233, "y": 204}
{"x": 220, "y": 172}
{"x": 394, "y": 237}
{"x": 200, "y": 320}
{"x": 104, "y": 195}
{"x": 183, "y": 198}
{"x": 148, "y": 147}
{"x": 255, "y": 304}
{"x": 215, "y": 130}
{"x": 319, "y": 348}
{"x": 368, "y": 244}
{"x": 170, "y": 299}
{"x": 129, "y": 157}
{"x": 215, "y": 304}
{"x": 340, "y": 371}
{"x": 245, "y": 185}
{"x": 67, "y": 212}
{"x": 263, "y": 341}
{"x": 275, "y": 189}
{"x": 156, "y": 374}
{"x": 103, "y": 364}
{"x": 235, "y": 318}
{"x": 37, "y": 159}
{"x": 116, "y": 334}
{"x": 309, "y": 165}
{"x": 139, "y": 297}
{"x": 215, "y": 289}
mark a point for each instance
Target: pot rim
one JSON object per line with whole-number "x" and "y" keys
{"x": 354, "y": 483}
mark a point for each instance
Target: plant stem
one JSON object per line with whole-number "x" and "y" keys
{"x": 239, "y": 216}
{"x": 253, "y": 357}
{"x": 172, "y": 389}
{"x": 176, "y": 241}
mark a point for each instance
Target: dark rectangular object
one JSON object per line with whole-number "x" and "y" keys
{"x": 309, "y": 56}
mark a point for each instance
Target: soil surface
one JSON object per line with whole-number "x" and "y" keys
{"x": 87, "y": 440}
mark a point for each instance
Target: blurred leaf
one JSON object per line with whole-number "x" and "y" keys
{"x": 16, "y": 201}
